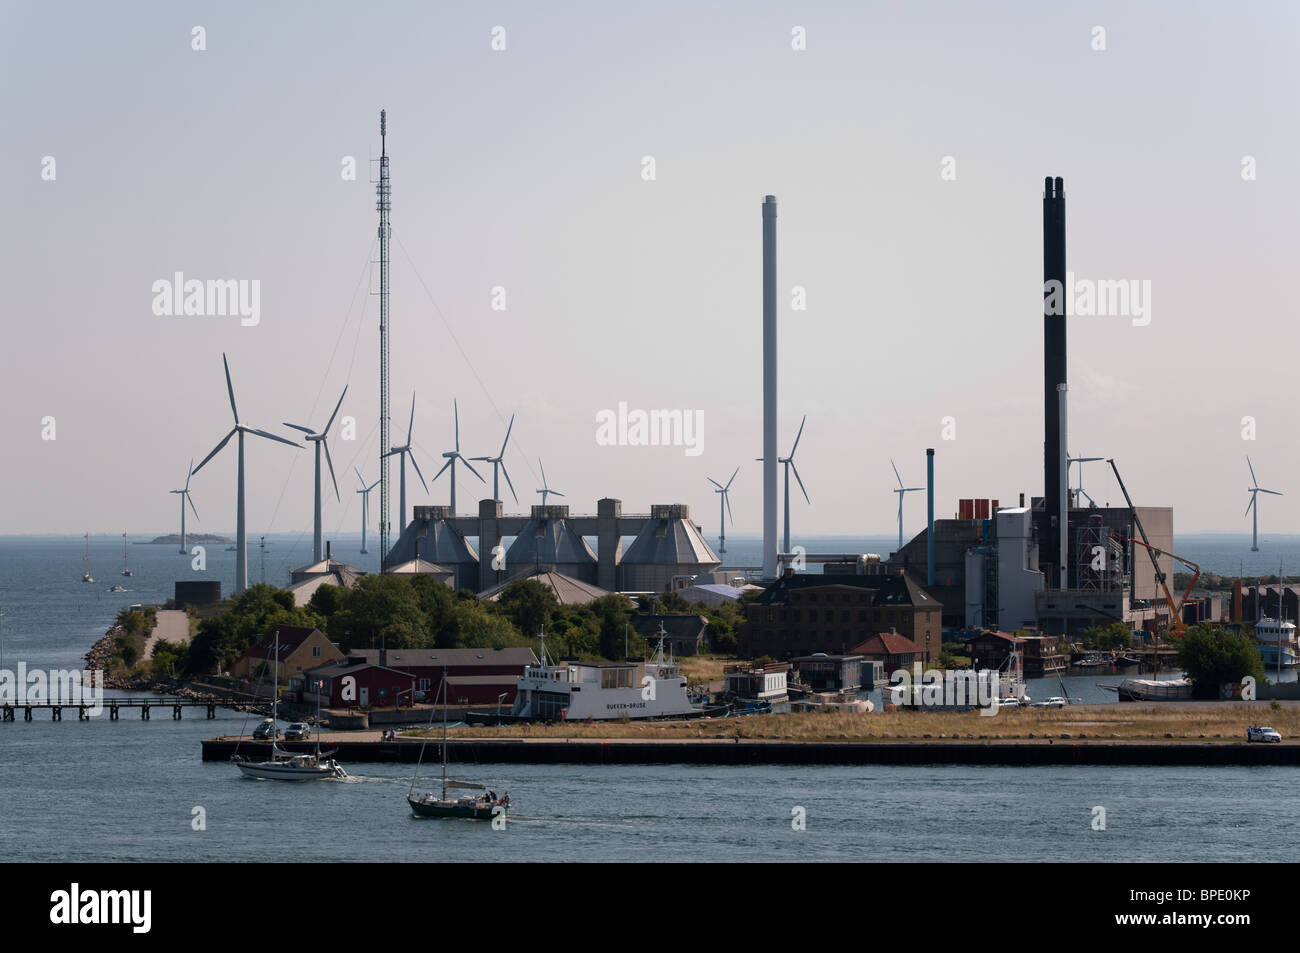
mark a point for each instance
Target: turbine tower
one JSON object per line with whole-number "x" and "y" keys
{"x": 545, "y": 490}
{"x": 902, "y": 491}
{"x": 499, "y": 460}
{"x": 384, "y": 205}
{"x": 451, "y": 456}
{"x": 724, "y": 510}
{"x": 321, "y": 440}
{"x": 1079, "y": 491}
{"x": 365, "y": 506}
{"x": 185, "y": 495}
{"x": 403, "y": 451}
{"x": 241, "y": 537}
{"x": 1254, "y": 492}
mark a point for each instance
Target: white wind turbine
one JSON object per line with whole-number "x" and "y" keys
{"x": 1079, "y": 492}
{"x": 365, "y": 506}
{"x": 321, "y": 440}
{"x": 185, "y": 495}
{"x": 405, "y": 451}
{"x": 545, "y": 490}
{"x": 724, "y": 510}
{"x": 241, "y": 537}
{"x": 498, "y": 461}
{"x": 1254, "y": 492}
{"x": 902, "y": 491}
{"x": 451, "y": 456}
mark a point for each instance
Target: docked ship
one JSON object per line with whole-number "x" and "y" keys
{"x": 1277, "y": 644}
{"x": 1152, "y": 690}
{"x": 601, "y": 691}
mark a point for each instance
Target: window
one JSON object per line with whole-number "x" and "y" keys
{"x": 812, "y": 615}
{"x": 315, "y": 651}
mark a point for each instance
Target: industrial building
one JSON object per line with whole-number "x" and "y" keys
{"x": 803, "y": 614}
{"x": 666, "y": 545}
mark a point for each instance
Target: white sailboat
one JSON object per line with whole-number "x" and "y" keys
{"x": 126, "y": 570}
{"x": 85, "y": 562}
{"x": 287, "y": 765}
{"x": 470, "y": 807}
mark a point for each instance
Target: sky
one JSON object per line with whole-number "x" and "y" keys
{"x": 906, "y": 144}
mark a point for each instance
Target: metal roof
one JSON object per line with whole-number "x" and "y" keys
{"x": 549, "y": 542}
{"x": 670, "y": 539}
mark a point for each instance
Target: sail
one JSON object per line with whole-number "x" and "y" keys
{"x": 467, "y": 785}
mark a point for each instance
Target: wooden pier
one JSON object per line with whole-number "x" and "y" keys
{"x": 114, "y": 706}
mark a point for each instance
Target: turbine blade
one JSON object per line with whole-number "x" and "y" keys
{"x": 411, "y": 426}
{"x": 507, "y": 440}
{"x": 456, "y": 412}
{"x": 796, "y": 476}
{"x": 336, "y": 410}
{"x": 1249, "y": 505}
{"x": 271, "y": 436}
{"x": 230, "y": 389}
{"x": 732, "y": 480}
{"x": 543, "y": 469}
{"x": 330, "y": 463}
{"x": 1271, "y": 492}
{"x": 555, "y": 493}
{"x": 471, "y": 469}
{"x": 360, "y": 479}
{"x": 191, "y": 499}
{"x": 307, "y": 430}
{"x": 372, "y": 486}
{"x": 715, "y": 483}
{"x": 225, "y": 441}
{"x": 726, "y": 497}
{"x": 444, "y": 467}
{"x": 900, "y": 479}
{"x": 506, "y": 473}
{"x": 411, "y": 454}
{"x": 1253, "y": 479}
{"x": 190, "y": 474}
{"x": 798, "y": 435}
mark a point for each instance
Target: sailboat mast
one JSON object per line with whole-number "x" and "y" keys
{"x": 444, "y": 733}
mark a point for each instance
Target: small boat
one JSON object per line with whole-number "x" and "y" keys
{"x": 85, "y": 562}
{"x": 287, "y": 765}
{"x": 1151, "y": 690}
{"x": 479, "y": 807}
{"x": 117, "y": 589}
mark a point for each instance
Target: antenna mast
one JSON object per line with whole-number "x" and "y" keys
{"x": 384, "y": 204}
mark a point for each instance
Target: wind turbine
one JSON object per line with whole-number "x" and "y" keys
{"x": 724, "y": 510}
{"x": 185, "y": 495}
{"x": 1081, "y": 461}
{"x": 451, "y": 456}
{"x": 1254, "y": 492}
{"x": 902, "y": 491}
{"x": 365, "y": 506}
{"x": 321, "y": 440}
{"x": 499, "y": 460}
{"x": 241, "y": 538}
{"x": 405, "y": 451}
{"x": 545, "y": 490}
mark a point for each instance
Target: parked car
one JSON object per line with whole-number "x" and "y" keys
{"x": 297, "y": 731}
{"x": 266, "y": 731}
{"x": 1011, "y": 701}
{"x": 1262, "y": 733}
{"x": 1056, "y": 701}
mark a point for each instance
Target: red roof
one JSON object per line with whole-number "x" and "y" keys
{"x": 888, "y": 643}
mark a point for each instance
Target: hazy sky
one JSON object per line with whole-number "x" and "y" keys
{"x": 523, "y": 169}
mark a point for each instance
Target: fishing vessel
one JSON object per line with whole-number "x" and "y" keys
{"x": 599, "y": 691}
{"x": 479, "y": 807}
{"x": 287, "y": 765}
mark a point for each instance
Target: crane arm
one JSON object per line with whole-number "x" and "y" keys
{"x": 1175, "y": 618}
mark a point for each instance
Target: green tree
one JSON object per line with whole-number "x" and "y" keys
{"x": 528, "y": 604}
{"x": 1116, "y": 635}
{"x": 381, "y": 611}
{"x": 1212, "y": 656}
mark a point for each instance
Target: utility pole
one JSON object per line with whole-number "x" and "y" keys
{"x": 384, "y": 205}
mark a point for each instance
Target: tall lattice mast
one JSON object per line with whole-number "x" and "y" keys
{"x": 384, "y": 204}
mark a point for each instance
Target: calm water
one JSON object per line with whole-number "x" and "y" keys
{"x": 126, "y": 790}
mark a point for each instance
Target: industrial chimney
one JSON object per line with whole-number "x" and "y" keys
{"x": 929, "y": 517}
{"x": 1054, "y": 376}
{"x": 769, "y": 387}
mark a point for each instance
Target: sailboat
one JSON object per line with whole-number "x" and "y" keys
{"x": 478, "y": 808}
{"x": 126, "y": 570}
{"x": 286, "y": 765}
{"x": 85, "y": 562}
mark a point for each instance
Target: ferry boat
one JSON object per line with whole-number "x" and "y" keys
{"x": 1277, "y": 643}
{"x": 601, "y": 691}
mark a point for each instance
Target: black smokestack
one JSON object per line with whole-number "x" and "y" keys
{"x": 1054, "y": 312}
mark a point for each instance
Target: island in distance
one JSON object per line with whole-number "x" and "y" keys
{"x": 174, "y": 539}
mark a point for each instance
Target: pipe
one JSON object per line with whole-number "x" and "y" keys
{"x": 929, "y": 517}
{"x": 769, "y": 387}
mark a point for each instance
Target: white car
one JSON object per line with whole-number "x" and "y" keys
{"x": 1262, "y": 733}
{"x": 1056, "y": 701}
{"x": 1011, "y": 701}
